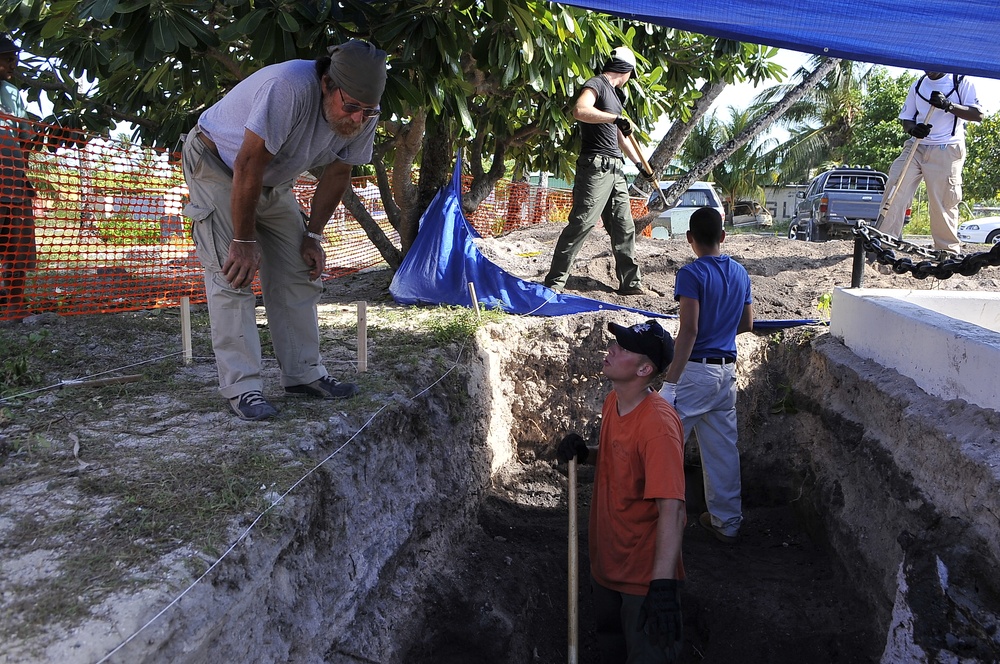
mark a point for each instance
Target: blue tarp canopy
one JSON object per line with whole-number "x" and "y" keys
{"x": 952, "y": 36}
{"x": 444, "y": 260}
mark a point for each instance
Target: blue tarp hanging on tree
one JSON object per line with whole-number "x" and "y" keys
{"x": 952, "y": 36}
{"x": 444, "y": 260}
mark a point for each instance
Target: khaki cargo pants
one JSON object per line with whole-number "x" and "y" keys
{"x": 290, "y": 297}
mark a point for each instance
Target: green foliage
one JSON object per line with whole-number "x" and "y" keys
{"x": 845, "y": 118}
{"x": 748, "y": 170}
{"x": 878, "y": 135}
{"x": 122, "y": 229}
{"x": 460, "y": 323}
{"x": 784, "y": 401}
{"x": 17, "y": 363}
{"x": 494, "y": 79}
{"x": 981, "y": 179}
{"x": 824, "y": 304}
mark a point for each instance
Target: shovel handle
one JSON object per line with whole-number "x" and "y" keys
{"x": 573, "y": 568}
{"x": 645, "y": 164}
{"x": 890, "y": 196}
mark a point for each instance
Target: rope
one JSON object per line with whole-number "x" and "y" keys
{"x": 89, "y": 377}
{"x": 276, "y": 501}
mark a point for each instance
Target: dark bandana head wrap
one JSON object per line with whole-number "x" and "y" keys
{"x": 358, "y": 68}
{"x": 619, "y": 66}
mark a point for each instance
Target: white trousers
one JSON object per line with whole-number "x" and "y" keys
{"x": 290, "y": 297}
{"x": 706, "y": 403}
{"x": 940, "y": 167}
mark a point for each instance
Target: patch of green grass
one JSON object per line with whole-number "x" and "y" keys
{"x": 156, "y": 504}
{"x": 460, "y": 323}
{"x": 824, "y": 304}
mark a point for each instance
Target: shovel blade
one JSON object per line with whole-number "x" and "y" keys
{"x": 656, "y": 203}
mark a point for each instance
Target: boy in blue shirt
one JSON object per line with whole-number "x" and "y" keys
{"x": 715, "y": 305}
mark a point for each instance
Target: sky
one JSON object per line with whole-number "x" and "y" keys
{"x": 740, "y": 95}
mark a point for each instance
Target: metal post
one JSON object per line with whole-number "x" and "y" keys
{"x": 858, "y": 267}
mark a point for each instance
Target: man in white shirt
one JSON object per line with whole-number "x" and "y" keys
{"x": 935, "y": 112}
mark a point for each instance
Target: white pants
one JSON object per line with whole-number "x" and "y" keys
{"x": 940, "y": 167}
{"x": 290, "y": 297}
{"x": 706, "y": 403}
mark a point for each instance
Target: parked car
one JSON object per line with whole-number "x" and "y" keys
{"x": 750, "y": 213}
{"x": 835, "y": 201}
{"x": 675, "y": 221}
{"x": 985, "y": 230}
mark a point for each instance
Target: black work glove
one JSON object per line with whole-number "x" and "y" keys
{"x": 644, "y": 184}
{"x": 919, "y": 130}
{"x": 660, "y": 616}
{"x": 938, "y": 100}
{"x": 643, "y": 173}
{"x": 572, "y": 445}
{"x": 622, "y": 123}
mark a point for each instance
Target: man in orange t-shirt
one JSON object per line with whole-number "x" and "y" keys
{"x": 637, "y": 513}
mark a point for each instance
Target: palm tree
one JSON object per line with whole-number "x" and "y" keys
{"x": 745, "y": 173}
{"x": 822, "y": 121}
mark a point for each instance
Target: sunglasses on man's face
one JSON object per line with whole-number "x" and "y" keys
{"x": 357, "y": 108}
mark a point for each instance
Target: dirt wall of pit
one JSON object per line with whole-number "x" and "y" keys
{"x": 904, "y": 486}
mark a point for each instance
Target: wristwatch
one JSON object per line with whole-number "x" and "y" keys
{"x": 316, "y": 236}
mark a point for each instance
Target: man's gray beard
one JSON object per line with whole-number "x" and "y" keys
{"x": 345, "y": 128}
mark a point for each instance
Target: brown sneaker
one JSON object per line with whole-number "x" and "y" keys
{"x": 705, "y": 521}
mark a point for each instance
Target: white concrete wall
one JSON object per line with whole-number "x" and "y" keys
{"x": 948, "y": 342}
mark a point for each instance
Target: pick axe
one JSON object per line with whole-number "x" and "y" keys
{"x": 656, "y": 204}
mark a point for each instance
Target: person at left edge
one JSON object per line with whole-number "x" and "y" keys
{"x": 18, "y": 253}
{"x": 240, "y": 162}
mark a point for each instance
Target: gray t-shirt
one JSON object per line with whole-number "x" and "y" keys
{"x": 281, "y": 104}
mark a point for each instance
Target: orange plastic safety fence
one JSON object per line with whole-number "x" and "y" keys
{"x": 96, "y": 225}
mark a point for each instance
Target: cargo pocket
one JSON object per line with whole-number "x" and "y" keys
{"x": 201, "y": 233}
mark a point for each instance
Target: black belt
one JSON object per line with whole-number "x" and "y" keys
{"x": 713, "y": 360}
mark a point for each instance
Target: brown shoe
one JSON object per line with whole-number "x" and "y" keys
{"x": 705, "y": 521}
{"x": 631, "y": 290}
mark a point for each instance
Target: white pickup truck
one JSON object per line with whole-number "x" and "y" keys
{"x": 835, "y": 201}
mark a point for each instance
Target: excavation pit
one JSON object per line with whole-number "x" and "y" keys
{"x": 439, "y": 532}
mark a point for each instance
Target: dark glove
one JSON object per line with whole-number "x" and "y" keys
{"x": 938, "y": 100}
{"x": 660, "y": 616}
{"x": 643, "y": 173}
{"x": 622, "y": 122}
{"x": 919, "y": 130}
{"x": 572, "y": 445}
{"x": 644, "y": 183}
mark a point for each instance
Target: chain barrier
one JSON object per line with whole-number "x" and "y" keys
{"x": 937, "y": 263}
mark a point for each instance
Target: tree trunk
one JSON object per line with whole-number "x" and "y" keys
{"x": 679, "y": 131}
{"x": 705, "y": 166}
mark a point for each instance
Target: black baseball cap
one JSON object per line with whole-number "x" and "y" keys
{"x": 7, "y": 45}
{"x": 648, "y": 339}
